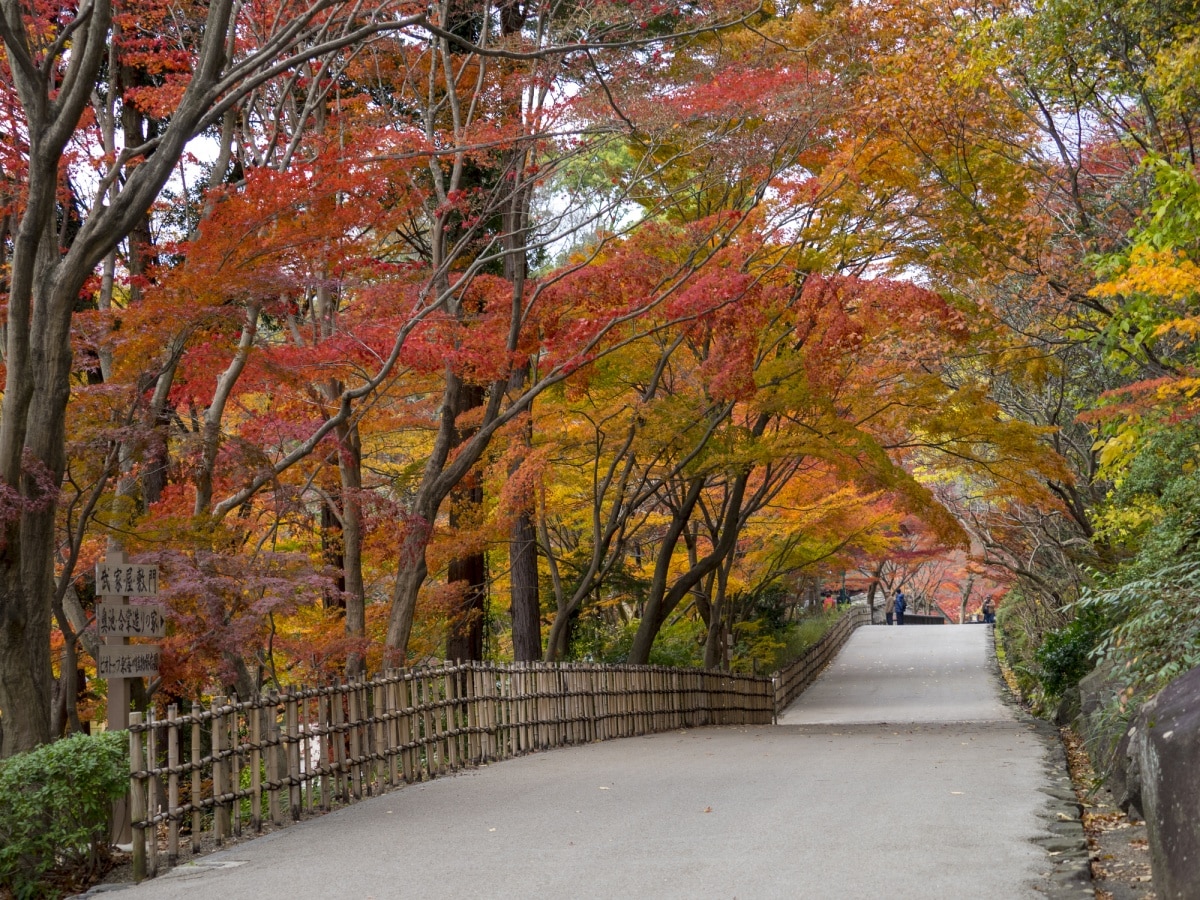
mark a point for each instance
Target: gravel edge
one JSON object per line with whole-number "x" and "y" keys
{"x": 1068, "y": 871}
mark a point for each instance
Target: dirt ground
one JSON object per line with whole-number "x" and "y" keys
{"x": 1120, "y": 851}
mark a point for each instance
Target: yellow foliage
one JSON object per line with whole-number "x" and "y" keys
{"x": 1161, "y": 273}
{"x": 1115, "y": 452}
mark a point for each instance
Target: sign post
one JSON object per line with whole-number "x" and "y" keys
{"x": 119, "y": 661}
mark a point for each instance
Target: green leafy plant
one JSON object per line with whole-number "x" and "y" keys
{"x": 55, "y": 812}
{"x": 1158, "y": 635}
{"x": 756, "y": 648}
{"x": 1067, "y": 654}
{"x": 1017, "y": 637}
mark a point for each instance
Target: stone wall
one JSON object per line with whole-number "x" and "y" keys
{"x": 1152, "y": 765}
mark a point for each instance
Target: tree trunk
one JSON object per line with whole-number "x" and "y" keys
{"x": 654, "y": 612}
{"x": 526, "y": 608}
{"x": 333, "y": 555}
{"x": 26, "y": 561}
{"x": 354, "y": 591}
{"x": 966, "y": 598}
{"x": 661, "y": 602}
{"x": 465, "y": 638}
{"x": 714, "y": 645}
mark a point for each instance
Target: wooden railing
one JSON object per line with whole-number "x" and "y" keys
{"x": 212, "y": 773}
{"x": 793, "y": 679}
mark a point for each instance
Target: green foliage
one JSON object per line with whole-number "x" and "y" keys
{"x": 1152, "y": 601}
{"x": 763, "y": 648}
{"x": 756, "y": 648}
{"x": 1019, "y": 637}
{"x": 1158, "y": 633}
{"x": 678, "y": 644}
{"x": 1163, "y": 482}
{"x": 1066, "y": 654}
{"x": 54, "y": 818}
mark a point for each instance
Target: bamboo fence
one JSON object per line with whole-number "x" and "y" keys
{"x": 793, "y": 679}
{"x": 276, "y": 758}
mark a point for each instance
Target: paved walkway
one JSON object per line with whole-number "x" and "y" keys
{"x": 899, "y": 774}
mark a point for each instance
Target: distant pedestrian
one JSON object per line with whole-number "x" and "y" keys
{"x": 989, "y": 612}
{"x": 901, "y": 605}
{"x": 889, "y": 609}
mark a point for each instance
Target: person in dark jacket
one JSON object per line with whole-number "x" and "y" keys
{"x": 901, "y": 604}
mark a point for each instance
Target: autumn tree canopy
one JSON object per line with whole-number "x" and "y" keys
{"x": 547, "y": 330}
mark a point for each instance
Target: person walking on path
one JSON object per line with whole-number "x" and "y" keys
{"x": 889, "y": 609}
{"x": 989, "y": 612}
{"x": 901, "y": 604}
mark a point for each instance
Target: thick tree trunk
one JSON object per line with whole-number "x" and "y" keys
{"x": 526, "y": 608}
{"x": 525, "y": 604}
{"x": 333, "y": 554}
{"x": 465, "y": 637}
{"x": 654, "y": 611}
{"x": 965, "y": 598}
{"x": 465, "y": 640}
{"x": 413, "y": 569}
{"x": 26, "y": 560}
{"x": 714, "y": 646}
{"x": 350, "y": 469}
{"x": 662, "y": 602}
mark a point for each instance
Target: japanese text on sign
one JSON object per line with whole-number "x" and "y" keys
{"x": 126, "y": 579}
{"x": 127, "y": 662}
{"x": 118, "y": 620}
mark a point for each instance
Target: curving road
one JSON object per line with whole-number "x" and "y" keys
{"x": 900, "y": 774}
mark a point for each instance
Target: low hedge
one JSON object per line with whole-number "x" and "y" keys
{"x": 55, "y": 811}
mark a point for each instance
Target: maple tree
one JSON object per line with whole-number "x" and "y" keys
{"x": 55, "y": 61}
{"x": 639, "y": 313}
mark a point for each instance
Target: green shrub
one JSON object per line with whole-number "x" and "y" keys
{"x": 678, "y": 644}
{"x": 1067, "y": 654}
{"x": 55, "y": 810}
{"x": 1157, "y": 633}
{"x": 794, "y": 639}
{"x": 756, "y": 649}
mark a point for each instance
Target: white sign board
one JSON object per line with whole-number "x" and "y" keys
{"x": 126, "y": 580}
{"x": 131, "y": 661}
{"x": 120, "y": 620}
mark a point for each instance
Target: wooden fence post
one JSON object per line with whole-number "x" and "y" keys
{"x": 197, "y": 815}
{"x": 406, "y": 725}
{"x": 307, "y": 736}
{"x": 352, "y": 720}
{"x": 173, "y": 812}
{"x": 235, "y": 765}
{"x": 256, "y": 716}
{"x": 325, "y": 746}
{"x": 151, "y": 838}
{"x": 382, "y": 737}
{"x": 137, "y": 796}
{"x": 292, "y": 745}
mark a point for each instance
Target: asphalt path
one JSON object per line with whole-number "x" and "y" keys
{"x": 900, "y": 774}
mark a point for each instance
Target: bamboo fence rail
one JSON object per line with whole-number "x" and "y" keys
{"x": 241, "y": 764}
{"x": 793, "y": 679}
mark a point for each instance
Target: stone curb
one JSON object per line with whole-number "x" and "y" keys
{"x": 1068, "y": 873}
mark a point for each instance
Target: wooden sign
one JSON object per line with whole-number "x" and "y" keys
{"x": 121, "y": 620}
{"x": 126, "y": 579}
{"x": 131, "y": 661}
